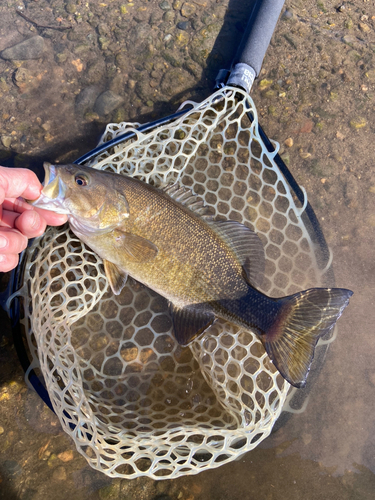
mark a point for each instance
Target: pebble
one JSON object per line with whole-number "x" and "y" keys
{"x": 288, "y": 142}
{"x": 6, "y": 140}
{"x": 348, "y": 39}
{"x": 91, "y": 116}
{"x": 71, "y": 7}
{"x": 340, "y": 136}
{"x": 304, "y": 154}
{"x": 165, "y": 5}
{"x": 11, "y": 468}
{"x": 32, "y": 48}
{"x": 169, "y": 16}
{"x": 85, "y": 100}
{"x": 59, "y": 473}
{"x": 188, "y": 9}
{"x": 286, "y": 158}
{"x": 183, "y": 25}
{"x": 182, "y": 39}
{"x": 358, "y": 122}
{"x": 1, "y": 430}
{"x": 52, "y": 460}
{"x": 287, "y": 14}
{"x": 370, "y": 74}
{"x": 306, "y": 128}
{"x": 61, "y": 57}
{"x": 129, "y": 354}
{"x": 263, "y": 84}
{"x": 66, "y": 456}
{"x": 364, "y": 27}
{"x": 306, "y": 438}
{"x": 107, "y": 102}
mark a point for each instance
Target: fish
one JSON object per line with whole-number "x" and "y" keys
{"x": 205, "y": 268}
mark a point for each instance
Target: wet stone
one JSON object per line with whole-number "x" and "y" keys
{"x": 188, "y": 9}
{"x": 175, "y": 81}
{"x": 59, "y": 474}
{"x": 86, "y": 99}
{"x": 32, "y": 48}
{"x": 107, "y": 102}
{"x": 183, "y": 25}
{"x": 349, "y": 39}
{"x": 66, "y": 456}
{"x": 358, "y": 123}
{"x": 169, "y": 16}
{"x": 165, "y": 5}
{"x": 287, "y": 14}
{"x": 71, "y": 7}
{"x": 11, "y": 468}
{"x": 6, "y": 140}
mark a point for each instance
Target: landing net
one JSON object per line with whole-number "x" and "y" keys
{"x": 134, "y": 401}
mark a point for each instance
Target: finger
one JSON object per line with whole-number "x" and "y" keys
{"x": 51, "y": 218}
{"x": 8, "y": 218}
{"x": 30, "y": 223}
{"x": 11, "y": 241}
{"x": 17, "y": 182}
{"x": 8, "y": 262}
{"x": 17, "y": 205}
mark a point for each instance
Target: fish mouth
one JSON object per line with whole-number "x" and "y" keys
{"x": 53, "y": 193}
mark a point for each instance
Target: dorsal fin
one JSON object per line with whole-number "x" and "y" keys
{"x": 246, "y": 245}
{"x": 243, "y": 241}
{"x": 186, "y": 197}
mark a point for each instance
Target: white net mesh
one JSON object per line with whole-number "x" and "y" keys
{"x": 133, "y": 400}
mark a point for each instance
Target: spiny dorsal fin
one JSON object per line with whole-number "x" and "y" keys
{"x": 189, "y": 322}
{"x": 116, "y": 276}
{"x": 247, "y": 247}
{"x": 186, "y": 197}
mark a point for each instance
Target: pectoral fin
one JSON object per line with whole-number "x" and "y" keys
{"x": 136, "y": 248}
{"x": 188, "y": 323}
{"x": 116, "y": 276}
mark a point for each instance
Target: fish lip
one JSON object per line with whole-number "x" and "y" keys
{"x": 53, "y": 193}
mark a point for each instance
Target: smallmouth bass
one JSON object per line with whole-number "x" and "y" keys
{"x": 204, "y": 268}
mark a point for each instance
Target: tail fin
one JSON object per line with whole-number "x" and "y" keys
{"x": 302, "y": 319}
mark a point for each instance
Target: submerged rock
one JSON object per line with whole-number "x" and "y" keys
{"x": 176, "y": 80}
{"x": 32, "y": 48}
{"x": 107, "y": 102}
{"x": 86, "y": 99}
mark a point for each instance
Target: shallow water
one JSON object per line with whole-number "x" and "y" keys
{"x": 316, "y": 88}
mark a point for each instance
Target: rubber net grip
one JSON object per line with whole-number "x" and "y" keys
{"x": 248, "y": 61}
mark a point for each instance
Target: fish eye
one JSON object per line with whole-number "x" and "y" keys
{"x": 81, "y": 180}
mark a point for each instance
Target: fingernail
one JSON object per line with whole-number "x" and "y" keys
{"x": 35, "y": 221}
{"x": 3, "y": 242}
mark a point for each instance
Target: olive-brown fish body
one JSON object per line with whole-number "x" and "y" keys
{"x": 205, "y": 268}
{"x": 192, "y": 264}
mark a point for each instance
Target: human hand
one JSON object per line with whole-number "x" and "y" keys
{"x": 19, "y": 220}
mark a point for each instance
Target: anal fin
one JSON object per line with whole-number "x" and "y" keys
{"x": 189, "y": 322}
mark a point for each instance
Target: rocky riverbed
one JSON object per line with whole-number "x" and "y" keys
{"x": 67, "y": 68}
